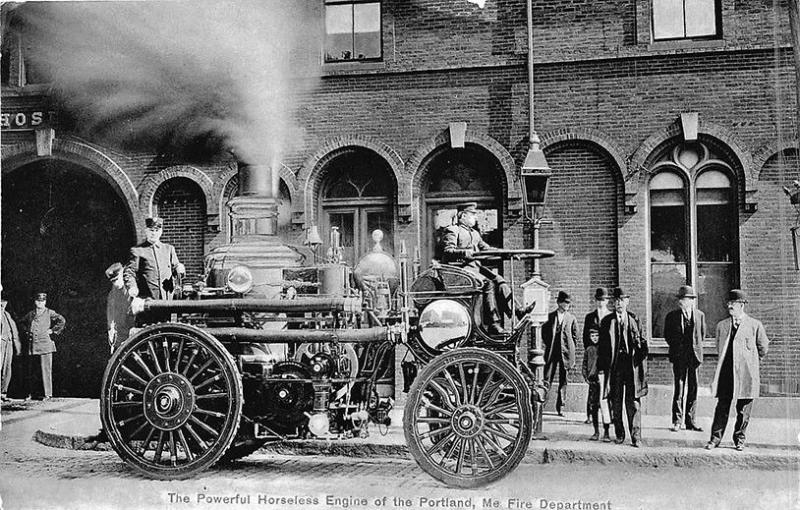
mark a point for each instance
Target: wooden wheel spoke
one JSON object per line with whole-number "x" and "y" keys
{"x": 201, "y": 369}
{"x": 185, "y": 445}
{"x": 485, "y": 385}
{"x": 450, "y": 451}
{"x": 499, "y": 408}
{"x": 138, "y": 359}
{"x": 196, "y": 437}
{"x": 431, "y": 433}
{"x": 134, "y": 375}
{"x": 441, "y": 444}
{"x": 472, "y": 457}
{"x": 474, "y": 383}
{"x": 203, "y": 426}
{"x": 139, "y": 429}
{"x": 191, "y": 360}
{"x": 122, "y": 403}
{"x": 165, "y": 347}
{"x": 432, "y": 419}
{"x": 146, "y": 442}
{"x": 208, "y": 381}
{"x": 173, "y": 452}
{"x": 159, "y": 447}
{"x": 153, "y": 355}
{"x": 511, "y": 422}
{"x": 180, "y": 353}
{"x": 462, "y": 376}
{"x": 208, "y": 396}
{"x": 209, "y": 413}
{"x": 485, "y": 454}
{"x": 442, "y": 393}
{"x": 495, "y": 432}
{"x": 495, "y": 392}
{"x": 133, "y": 418}
{"x": 461, "y": 453}
{"x": 438, "y": 409}
{"x": 494, "y": 445}
{"x": 452, "y": 383}
{"x": 122, "y": 387}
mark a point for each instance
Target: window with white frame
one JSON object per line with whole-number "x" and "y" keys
{"x": 693, "y": 232}
{"x": 686, "y": 19}
{"x": 352, "y": 30}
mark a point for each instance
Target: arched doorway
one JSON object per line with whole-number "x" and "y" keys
{"x": 454, "y": 176}
{"x": 180, "y": 201}
{"x": 62, "y": 226}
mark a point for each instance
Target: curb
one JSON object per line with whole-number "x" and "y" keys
{"x": 540, "y": 452}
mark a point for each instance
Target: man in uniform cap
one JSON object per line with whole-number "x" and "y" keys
{"x": 459, "y": 243}
{"x": 39, "y": 325}
{"x": 741, "y": 343}
{"x": 684, "y": 331}
{"x": 10, "y": 345}
{"x": 622, "y": 355}
{"x": 119, "y": 318}
{"x": 152, "y": 265}
{"x": 559, "y": 335}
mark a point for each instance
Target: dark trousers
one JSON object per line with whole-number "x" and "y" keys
{"x": 685, "y": 378}
{"x": 43, "y": 362}
{"x": 623, "y": 388}
{"x": 743, "y": 408}
{"x": 7, "y": 347}
{"x": 550, "y": 369}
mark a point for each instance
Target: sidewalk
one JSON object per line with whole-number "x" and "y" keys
{"x": 772, "y": 442}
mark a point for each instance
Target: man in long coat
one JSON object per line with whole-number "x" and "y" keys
{"x": 559, "y": 335}
{"x": 592, "y": 322}
{"x": 459, "y": 243}
{"x": 152, "y": 265}
{"x": 39, "y": 325}
{"x": 741, "y": 343}
{"x": 684, "y": 331}
{"x": 9, "y": 347}
{"x": 622, "y": 354}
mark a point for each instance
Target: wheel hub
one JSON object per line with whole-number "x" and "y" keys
{"x": 467, "y": 421}
{"x": 168, "y": 401}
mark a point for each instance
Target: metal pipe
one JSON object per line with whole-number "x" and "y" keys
{"x": 305, "y": 304}
{"x": 268, "y": 336}
{"x": 533, "y": 138}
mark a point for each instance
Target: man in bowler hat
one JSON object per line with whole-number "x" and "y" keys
{"x": 39, "y": 325}
{"x": 559, "y": 335}
{"x": 684, "y": 331}
{"x": 592, "y": 322}
{"x": 459, "y": 243}
{"x": 622, "y": 355}
{"x": 741, "y": 343}
{"x": 152, "y": 265}
{"x": 119, "y": 318}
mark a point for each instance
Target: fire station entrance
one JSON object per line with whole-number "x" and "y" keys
{"x": 62, "y": 225}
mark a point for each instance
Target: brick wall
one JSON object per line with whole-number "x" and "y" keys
{"x": 180, "y": 203}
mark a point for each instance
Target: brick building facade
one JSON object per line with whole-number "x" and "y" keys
{"x": 615, "y": 108}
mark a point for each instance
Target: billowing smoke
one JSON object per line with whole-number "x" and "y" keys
{"x": 194, "y": 77}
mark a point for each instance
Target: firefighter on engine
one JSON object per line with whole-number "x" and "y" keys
{"x": 459, "y": 242}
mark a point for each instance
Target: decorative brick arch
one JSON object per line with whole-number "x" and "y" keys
{"x": 551, "y": 139}
{"x": 417, "y": 168}
{"x": 85, "y": 155}
{"x": 313, "y": 171}
{"x": 741, "y": 159}
{"x": 151, "y": 184}
{"x": 217, "y": 194}
{"x": 765, "y": 152}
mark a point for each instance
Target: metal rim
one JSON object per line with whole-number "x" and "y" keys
{"x": 468, "y": 419}
{"x": 171, "y": 401}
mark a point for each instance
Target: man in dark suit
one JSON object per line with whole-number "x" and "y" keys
{"x": 152, "y": 265}
{"x": 39, "y": 325}
{"x": 684, "y": 330}
{"x": 592, "y": 322}
{"x": 559, "y": 335}
{"x": 459, "y": 243}
{"x": 10, "y": 346}
{"x": 741, "y": 343}
{"x": 622, "y": 354}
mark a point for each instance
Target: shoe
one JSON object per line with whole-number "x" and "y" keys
{"x": 637, "y": 443}
{"x": 594, "y": 437}
{"x": 710, "y": 445}
{"x": 4, "y": 397}
{"x": 694, "y": 428}
{"x": 587, "y": 421}
{"x": 496, "y": 329}
{"x": 606, "y": 438}
{"x": 675, "y": 427}
{"x": 739, "y": 447}
{"x": 560, "y": 412}
{"x": 522, "y": 312}
{"x": 619, "y": 440}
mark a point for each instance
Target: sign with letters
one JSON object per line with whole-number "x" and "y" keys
{"x": 23, "y": 120}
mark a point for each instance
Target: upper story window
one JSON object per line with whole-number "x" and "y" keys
{"x": 352, "y": 30}
{"x": 686, "y": 19}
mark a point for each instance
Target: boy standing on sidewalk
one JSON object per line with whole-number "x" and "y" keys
{"x": 596, "y": 380}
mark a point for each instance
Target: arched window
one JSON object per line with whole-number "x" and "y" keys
{"x": 180, "y": 201}
{"x": 693, "y": 232}
{"x": 357, "y": 197}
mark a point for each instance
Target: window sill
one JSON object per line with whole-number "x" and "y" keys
{"x": 352, "y": 67}
{"x": 38, "y": 89}
{"x": 686, "y": 44}
{"x": 659, "y": 347}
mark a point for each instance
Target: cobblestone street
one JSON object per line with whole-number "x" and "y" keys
{"x": 37, "y": 476}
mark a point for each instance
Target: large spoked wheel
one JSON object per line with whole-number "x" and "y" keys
{"x": 468, "y": 419}
{"x": 171, "y": 401}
